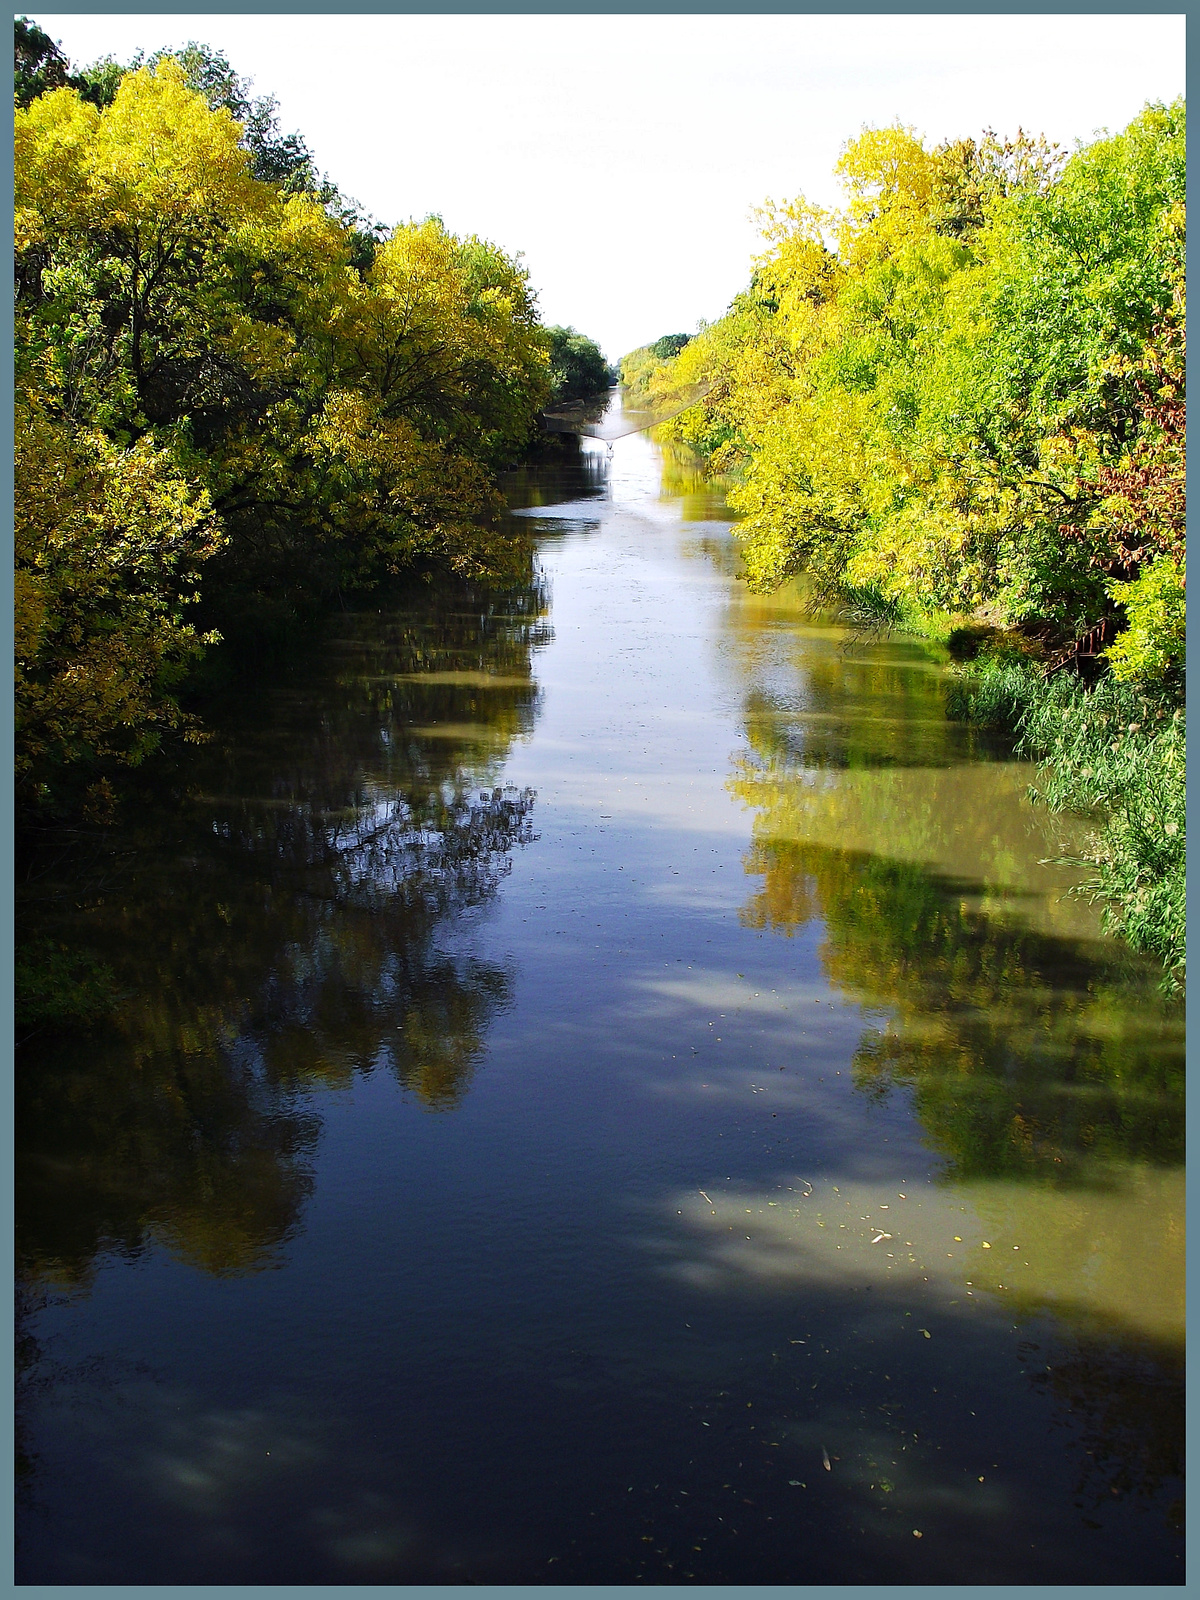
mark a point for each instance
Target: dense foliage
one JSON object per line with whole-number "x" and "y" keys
{"x": 963, "y": 391}
{"x": 1115, "y": 753}
{"x": 223, "y": 373}
{"x": 957, "y": 405}
{"x": 641, "y": 367}
{"x": 578, "y": 370}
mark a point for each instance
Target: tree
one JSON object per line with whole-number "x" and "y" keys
{"x": 669, "y": 345}
{"x": 924, "y": 392}
{"x": 340, "y": 411}
{"x": 39, "y": 63}
{"x": 578, "y": 370}
{"x": 109, "y": 544}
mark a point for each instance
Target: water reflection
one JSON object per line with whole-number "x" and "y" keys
{"x": 1030, "y": 1047}
{"x": 571, "y": 473}
{"x": 1027, "y": 1052}
{"x": 1107, "y": 1262}
{"x": 1126, "y": 1400}
{"x": 295, "y": 921}
{"x": 601, "y": 1323}
{"x": 1041, "y": 1063}
{"x": 699, "y": 496}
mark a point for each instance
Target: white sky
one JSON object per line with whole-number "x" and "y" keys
{"x": 622, "y": 155}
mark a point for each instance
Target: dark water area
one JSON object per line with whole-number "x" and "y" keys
{"x": 606, "y": 1090}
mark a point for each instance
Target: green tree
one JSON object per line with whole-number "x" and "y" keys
{"x": 342, "y": 411}
{"x": 578, "y": 370}
{"x": 924, "y": 391}
{"x": 39, "y": 63}
{"x": 669, "y": 345}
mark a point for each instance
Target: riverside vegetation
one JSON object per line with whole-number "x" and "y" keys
{"x": 238, "y": 400}
{"x": 956, "y": 405}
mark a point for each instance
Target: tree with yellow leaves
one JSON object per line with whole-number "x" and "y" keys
{"x": 302, "y": 415}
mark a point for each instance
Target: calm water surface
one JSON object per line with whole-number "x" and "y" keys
{"x": 606, "y": 1093}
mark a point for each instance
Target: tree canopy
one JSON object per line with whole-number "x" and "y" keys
{"x": 578, "y": 370}
{"x": 222, "y": 370}
{"x": 961, "y": 393}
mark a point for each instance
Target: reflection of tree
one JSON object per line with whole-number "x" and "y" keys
{"x": 1125, "y": 1402}
{"x": 1026, "y": 1049}
{"x": 291, "y": 923}
{"x": 1024, "y": 1054}
{"x": 1043, "y": 1065}
{"x": 847, "y": 709}
{"x": 701, "y": 496}
{"x": 561, "y": 471}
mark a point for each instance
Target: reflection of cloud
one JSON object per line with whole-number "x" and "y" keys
{"x": 204, "y": 1462}
{"x": 1114, "y": 1257}
{"x": 708, "y": 988}
{"x": 367, "y": 1534}
{"x": 231, "y": 1492}
{"x": 793, "y": 1025}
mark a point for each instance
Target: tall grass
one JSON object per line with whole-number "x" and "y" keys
{"x": 1116, "y": 755}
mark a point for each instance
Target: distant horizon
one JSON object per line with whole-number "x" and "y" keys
{"x": 622, "y": 157}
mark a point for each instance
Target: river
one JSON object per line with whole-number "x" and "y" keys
{"x": 607, "y": 1090}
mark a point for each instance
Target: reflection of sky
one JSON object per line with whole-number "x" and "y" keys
{"x": 656, "y": 1260}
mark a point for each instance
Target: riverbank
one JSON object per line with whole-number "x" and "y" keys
{"x": 957, "y": 419}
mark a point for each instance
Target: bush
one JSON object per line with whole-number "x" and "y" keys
{"x": 1117, "y": 755}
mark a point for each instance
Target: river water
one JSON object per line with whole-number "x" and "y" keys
{"x": 607, "y": 1090}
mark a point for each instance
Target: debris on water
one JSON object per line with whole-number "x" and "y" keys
{"x": 926, "y": 1332}
{"x": 917, "y": 1534}
{"x": 825, "y": 1459}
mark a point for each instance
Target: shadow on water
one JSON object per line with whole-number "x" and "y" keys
{"x": 1040, "y": 1061}
{"x": 295, "y": 919}
{"x": 522, "y": 1344}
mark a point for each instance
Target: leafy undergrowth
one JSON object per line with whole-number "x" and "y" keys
{"x": 1116, "y": 754}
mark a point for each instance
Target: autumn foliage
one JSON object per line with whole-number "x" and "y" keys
{"x": 960, "y": 396}
{"x": 234, "y": 404}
